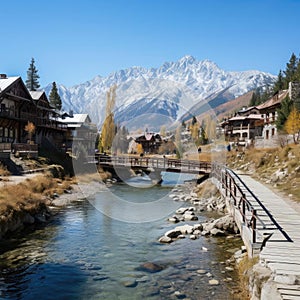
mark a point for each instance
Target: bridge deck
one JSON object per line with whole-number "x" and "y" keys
{"x": 279, "y": 254}
{"x": 155, "y": 164}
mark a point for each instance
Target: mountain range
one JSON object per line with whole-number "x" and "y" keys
{"x": 156, "y": 96}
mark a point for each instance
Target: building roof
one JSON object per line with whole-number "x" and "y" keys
{"x": 6, "y": 82}
{"x": 276, "y": 99}
{"x": 76, "y": 119}
{"x": 36, "y": 95}
{"x": 250, "y": 117}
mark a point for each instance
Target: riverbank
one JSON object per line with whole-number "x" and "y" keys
{"x": 32, "y": 199}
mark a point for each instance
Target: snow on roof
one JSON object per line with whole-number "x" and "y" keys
{"x": 36, "y": 95}
{"x": 6, "y": 82}
{"x": 76, "y": 119}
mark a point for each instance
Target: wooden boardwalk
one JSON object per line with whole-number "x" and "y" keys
{"x": 281, "y": 252}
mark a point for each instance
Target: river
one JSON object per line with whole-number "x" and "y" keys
{"x": 88, "y": 251}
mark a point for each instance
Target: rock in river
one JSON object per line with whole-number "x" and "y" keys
{"x": 150, "y": 267}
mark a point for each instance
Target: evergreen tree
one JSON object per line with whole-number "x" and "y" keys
{"x": 297, "y": 76}
{"x": 279, "y": 84}
{"x": 32, "y": 81}
{"x": 253, "y": 100}
{"x": 54, "y": 98}
{"x": 291, "y": 70}
{"x": 194, "y": 120}
{"x": 283, "y": 112}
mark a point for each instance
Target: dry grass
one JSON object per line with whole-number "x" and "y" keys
{"x": 243, "y": 268}
{"x": 31, "y": 193}
{"x": 264, "y": 164}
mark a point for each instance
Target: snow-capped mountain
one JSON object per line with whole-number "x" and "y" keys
{"x": 168, "y": 91}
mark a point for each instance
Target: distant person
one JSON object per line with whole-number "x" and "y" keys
{"x": 228, "y": 147}
{"x": 199, "y": 150}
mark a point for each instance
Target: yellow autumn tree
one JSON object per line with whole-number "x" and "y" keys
{"x": 292, "y": 124}
{"x": 178, "y": 143}
{"x": 30, "y": 129}
{"x": 195, "y": 129}
{"x": 210, "y": 127}
{"x": 139, "y": 149}
{"x": 108, "y": 127}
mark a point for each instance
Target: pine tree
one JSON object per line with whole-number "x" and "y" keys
{"x": 291, "y": 70}
{"x": 279, "y": 84}
{"x": 194, "y": 120}
{"x": 54, "y": 98}
{"x": 283, "y": 112}
{"x": 253, "y": 100}
{"x": 32, "y": 81}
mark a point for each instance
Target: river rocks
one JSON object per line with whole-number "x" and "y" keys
{"x": 219, "y": 227}
{"x": 217, "y": 232}
{"x": 174, "y": 233}
{"x": 129, "y": 282}
{"x": 150, "y": 267}
{"x": 181, "y": 210}
{"x": 173, "y": 219}
{"x": 185, "y": 229}
{"x": 213, "y": 282}
{"x": 179, "y": 295}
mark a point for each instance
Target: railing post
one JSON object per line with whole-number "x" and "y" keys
{"x": 254, "y": 214}
{"x": 243, "y": 207}
{"x": 226, "y": 184}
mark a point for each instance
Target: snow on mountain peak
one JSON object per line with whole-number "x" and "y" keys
{"x": 169, "y": 89}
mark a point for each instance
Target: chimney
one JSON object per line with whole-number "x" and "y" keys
{"x": 3, "y": 76}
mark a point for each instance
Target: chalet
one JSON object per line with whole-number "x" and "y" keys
{"x": 18, "y": 107}
{"x": 150, "y": 142}
{"x": 256, "y": 125}
{"x": 80, "y": 130}
{"x": 243, "y": 129}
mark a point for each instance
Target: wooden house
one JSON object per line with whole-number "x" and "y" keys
{"x": 18, "y": 106}
{"x": 150, "y": 142}
{"x": 80, "y": 131}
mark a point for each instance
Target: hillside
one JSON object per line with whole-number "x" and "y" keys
{"x": 278, "y": 168}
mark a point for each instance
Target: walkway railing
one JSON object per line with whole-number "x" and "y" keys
{"x": 255, "y": 215}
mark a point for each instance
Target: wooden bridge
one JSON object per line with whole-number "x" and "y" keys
{"x": 154, "y": 165}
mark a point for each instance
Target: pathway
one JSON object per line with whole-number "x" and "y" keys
{"x": 280, "y": 255}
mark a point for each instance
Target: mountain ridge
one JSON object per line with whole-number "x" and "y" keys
{"x": 173, "y": 88}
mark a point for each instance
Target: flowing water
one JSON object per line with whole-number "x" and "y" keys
{"x": 85, "y": 254}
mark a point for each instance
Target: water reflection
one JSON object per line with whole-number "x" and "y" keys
{"x": 84, "y": 254}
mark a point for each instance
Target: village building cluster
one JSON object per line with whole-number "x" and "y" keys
{"x": 256, "y": 125}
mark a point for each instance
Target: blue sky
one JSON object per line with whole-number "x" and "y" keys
{"x": 73, "y": 41}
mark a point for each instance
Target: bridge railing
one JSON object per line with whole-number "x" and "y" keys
{"x": 235, "y": 191}
{"x": 234, "y": 188}
{"x": 180, "y": 165}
